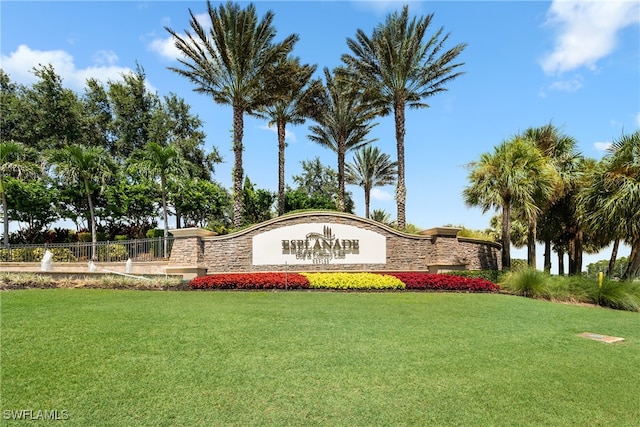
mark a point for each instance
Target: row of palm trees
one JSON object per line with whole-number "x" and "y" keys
{"x": 237, "y": 62}
{"x": 538, "y": 180}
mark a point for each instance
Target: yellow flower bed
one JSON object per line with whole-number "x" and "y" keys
{"x": 352, "y": 281}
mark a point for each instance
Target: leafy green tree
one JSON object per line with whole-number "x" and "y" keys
{"x": 611, "y": 204}
{"x": 133, "y": 108}
{"x": 232, "y": 62}
{"x": 317, "y": 188}
{"x": 503, "y": 179}
{"x": 344, "y": 121}
{"x": 31, "y": 202}
{"x": 370, "y": 168}
{"x": 11, "y": 112}
{"x": 203, "y": 203}
{"x": 257, "y": 203}
{"x": 13, "y": 163}
{"x": 52, "y": 116}
{"x": 295, "y": 99}
{"x": 403, "y": 68}
{"x": 131, "y": 200}
{"x": 89, "y": 166}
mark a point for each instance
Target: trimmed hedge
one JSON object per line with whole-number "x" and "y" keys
{"x": 361, "y": 281}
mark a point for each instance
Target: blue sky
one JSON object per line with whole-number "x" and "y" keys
{"x": 573, "y": 63}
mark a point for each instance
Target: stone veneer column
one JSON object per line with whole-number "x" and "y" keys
{"x": 187, "y": 252}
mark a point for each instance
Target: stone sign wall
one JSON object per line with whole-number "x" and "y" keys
{"x": 329, "y": 241}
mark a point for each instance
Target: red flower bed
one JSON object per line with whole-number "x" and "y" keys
{"x": 250, "y": 281}
{"x": 444, "y": 282}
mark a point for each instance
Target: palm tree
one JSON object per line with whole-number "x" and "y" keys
{"x": 403, "y": 69}
{"x": 611, "y": 204}
{"x": 161, "y": 163}
{"x": 505, "y": 179}
{"x": 12, "y": 163}
{"x": 294, "y": 103}
{"x": 370, "y": 168}
{"x": 562, "y": 156}
{"x": 380, "y": 215}
{"x": 231, "y": 61}
{"x": 344, "y": 121}
{"x": 87, "y": 165}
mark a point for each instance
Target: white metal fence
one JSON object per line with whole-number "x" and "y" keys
{"x": 139, "y": 250}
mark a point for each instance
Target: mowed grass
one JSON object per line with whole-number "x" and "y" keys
{"x": 149, "y": 358}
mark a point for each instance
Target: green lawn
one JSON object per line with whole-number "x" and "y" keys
{"x": 151, "y": 358}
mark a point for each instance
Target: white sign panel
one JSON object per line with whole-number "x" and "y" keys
{"x": 320, "y": 243}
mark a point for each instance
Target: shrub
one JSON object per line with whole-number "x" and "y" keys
{"x": 445, "y": 282}
{"x": 527, "y": 282}
{"x": 618, "y": 294}
{"x": 112, "y": 252}
{"x": 353, "y": 281}
{"x": 59, "y": 254}
{"x": 250, "y": 281}
{"x": 16, "y": 255}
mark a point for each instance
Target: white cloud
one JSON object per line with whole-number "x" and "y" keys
{"x": 288, "y": 135}
{"x": 381, "y": 195}
{"x": 166, "y": 46}
{"x": 19, "y": 65}
{"x": 587, "y": 31}
{"x": 602, "y": 146}
{"x": 571, "y": 85}
{"x": 638, "y": 120}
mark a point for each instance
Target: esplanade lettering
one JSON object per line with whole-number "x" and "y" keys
{"x": 321, "y": 248}
{"x": 319, "y": 244}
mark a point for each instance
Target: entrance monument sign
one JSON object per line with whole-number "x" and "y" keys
{"x": 328, "y": 241}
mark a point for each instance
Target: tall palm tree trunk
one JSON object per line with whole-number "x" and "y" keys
{"x": 614, "y": 255}
{"x": 531, "y": 244}
{"x": 367, "y": 199}
{"x": 547, "y": 256}
{"x": 94, "y": 234}
{"x": 238, "y": 130}
{"x": 281, "y": 147}
{"x": 165, "y": 215}
{"x": 341, "y": 190}
{"x": 5, "y": 217}
{"x": 633, "y": 268}
{"x": 401, "y": 189}
{"x": 506, "y": 236}
{"x": 560, "y": 262}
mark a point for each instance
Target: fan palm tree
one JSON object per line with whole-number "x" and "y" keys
{"x": 294, "y": 103}
{"x": 611, "y": 204}
{"x": 12, "y": 163}
{"x": 161, "y": 163}
{"x": 403, "y": 68}
{"x": 344, "y": 121}
{"x": 370, "y": 168}
{"x": 86, "y": 165}
{"x": 562, "y": 156}
{"x": 231, "y": 61}
{"x": 507, "y": 178}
